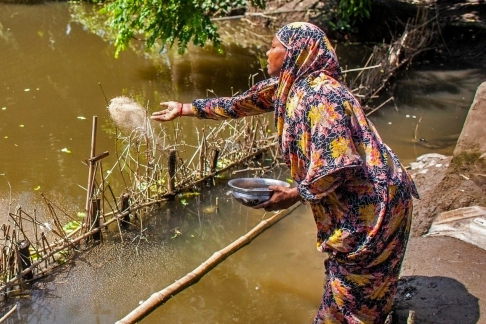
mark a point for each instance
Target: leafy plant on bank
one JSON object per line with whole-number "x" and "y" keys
{"x": 349, "y": 12}
{"x": 169, "y": 21}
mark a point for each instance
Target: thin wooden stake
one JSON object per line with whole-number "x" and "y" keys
{"x": 172, "y": 164}
{"x": 202, "y": 155}
{"x": 91, "y": 172}
{"x": 96, "y": 218}
{"x": 24, "y": 255}
{"x": 125, "y": 207}
{"x": 214, "y": 162}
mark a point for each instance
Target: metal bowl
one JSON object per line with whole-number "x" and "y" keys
{"x": 253, "y": 191}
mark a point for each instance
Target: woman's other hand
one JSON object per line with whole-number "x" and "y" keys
{"x": 173, "y": 109}
{"x": 282, "y": 198}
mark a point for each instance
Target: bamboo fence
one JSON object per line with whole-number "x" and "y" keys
{"x": 153, "y": 168}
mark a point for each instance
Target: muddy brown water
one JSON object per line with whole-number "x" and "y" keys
{"x": 52, "y": 68}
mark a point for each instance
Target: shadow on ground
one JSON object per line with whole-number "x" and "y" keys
{"x": 435, "y": 300}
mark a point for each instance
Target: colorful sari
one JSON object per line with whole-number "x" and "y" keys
{"x": 360, "y": 194}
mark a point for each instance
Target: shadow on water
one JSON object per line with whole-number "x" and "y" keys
{"x": 435, "y": 300}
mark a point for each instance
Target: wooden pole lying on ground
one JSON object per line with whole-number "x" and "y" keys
{"x": 162, "y": 296}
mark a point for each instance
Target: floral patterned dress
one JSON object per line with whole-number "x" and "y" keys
{"x": 360, "y": 194}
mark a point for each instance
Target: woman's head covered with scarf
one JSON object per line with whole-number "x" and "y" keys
{"x": 309, "y": 53}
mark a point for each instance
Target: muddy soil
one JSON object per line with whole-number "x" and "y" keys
{"x": 445, "y": 184}
{"x": 442, "y": 280}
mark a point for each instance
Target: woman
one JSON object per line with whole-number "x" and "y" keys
{"x": 360, "y": 194}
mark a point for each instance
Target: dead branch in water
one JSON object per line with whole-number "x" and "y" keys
{"x": 387, "y": 60}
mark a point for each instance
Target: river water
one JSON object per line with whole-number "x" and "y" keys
{"x": 53, "y": 73}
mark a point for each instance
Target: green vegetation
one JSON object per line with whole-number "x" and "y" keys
{"x": 470, "y": 160}
{"x": 169, "y": 21}
{"x": 180, "y": 22}
{"x": 350, "y": 12}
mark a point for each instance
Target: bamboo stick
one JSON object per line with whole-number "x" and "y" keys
{"x": 4, "y": 317}
{"x": 162, "y": 296}
{"x": 202, "y": 155}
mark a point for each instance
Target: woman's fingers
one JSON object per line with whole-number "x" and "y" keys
{"x": 168, "y": 104}
{"x": 169, "y": 113}
{"x": 163, "y": 115}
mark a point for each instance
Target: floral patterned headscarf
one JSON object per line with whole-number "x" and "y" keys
{"x": 309, "y": 52}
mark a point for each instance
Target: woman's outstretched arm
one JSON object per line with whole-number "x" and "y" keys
{"x": 257, "y": 100}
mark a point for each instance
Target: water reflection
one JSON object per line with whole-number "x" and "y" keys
{"x": 428, "y": 112}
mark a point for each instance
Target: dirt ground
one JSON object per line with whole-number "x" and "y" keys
{"x": 443, "y": 278}
{"x": 445, "y": 184}
{"x": 443, "y": 281}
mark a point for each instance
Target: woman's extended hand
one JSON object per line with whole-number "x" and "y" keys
{"x": 282, "y": 198}
{"x": 173, "y": 110}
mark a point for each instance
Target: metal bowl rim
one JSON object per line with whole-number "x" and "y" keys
{"x": 256, "y": 191}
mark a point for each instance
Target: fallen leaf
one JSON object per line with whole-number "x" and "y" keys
{"x": 37, "y": 188}
{"x": 65, "y": 150}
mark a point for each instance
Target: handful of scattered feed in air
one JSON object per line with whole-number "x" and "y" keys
{"x": 129, "y": 116}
